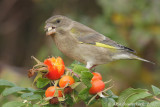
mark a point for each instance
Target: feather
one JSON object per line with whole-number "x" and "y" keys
{"x": 88, "y": 36}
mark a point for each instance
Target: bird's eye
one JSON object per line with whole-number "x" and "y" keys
{"x": 58, "y": 21}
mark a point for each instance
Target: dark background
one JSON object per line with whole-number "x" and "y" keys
{"x": 133, "y": 23}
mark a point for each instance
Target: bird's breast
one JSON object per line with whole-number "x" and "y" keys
{"x": 67, "y": 46}
{"x": 82, "y": 52}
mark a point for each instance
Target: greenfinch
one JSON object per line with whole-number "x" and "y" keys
{"x": 84, "y": 44}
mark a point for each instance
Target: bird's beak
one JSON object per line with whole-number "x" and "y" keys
{"x": 50, "y": 30}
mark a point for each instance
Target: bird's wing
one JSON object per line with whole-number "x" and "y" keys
{"x": 89, "y": 36}
{"x": 102, "y": 41}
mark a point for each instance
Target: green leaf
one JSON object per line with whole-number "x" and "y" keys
{"x": 108, "y": 102}
{"x": 39, "y": 75}
{"x": 156, "y": 90}
{"x": 78, "y": 68}
{"x": 141, "y": 103}
{"x": 2, "y": 89}
{"x": 31, "y": 89}
{"x": 27, "y": 90}
{"x": 110, "y": 93}
{"x": 33, "y": 97}
{"x": 6, "y": 83}
{"x": 131, "y": 95}
{"x": 40, "y": 92}
{"x": 42, "y": 82}
{"x": 13, "y": 104}
{"x": 75, "y": 85}
{"x": 69, "y": 99}
{"x": 76, "y": 79}
{"x": 154, "y": 104}
{"x": 76, "y": 63}
{"x": 25, "y": 95}
{"x": 36, "y": 105}
{"x": 86, "y": 78}
{"x": 84, "y": 94}
{"x": 138, "y": 96}
{"x": 12, "y": 90}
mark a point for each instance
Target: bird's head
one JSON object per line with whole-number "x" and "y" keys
{"x": 57, "y": 24}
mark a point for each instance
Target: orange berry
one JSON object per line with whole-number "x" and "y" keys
{"x": 97, "y": 86}
{"x": 66, "y": 79}
{"x": 55, "y": 68}
{"x": 96, "y": 76}
{"x": 51, "y": 90}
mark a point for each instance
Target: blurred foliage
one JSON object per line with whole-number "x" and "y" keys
{"x": 133, "y": 23}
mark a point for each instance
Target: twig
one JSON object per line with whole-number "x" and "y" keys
{"x": 156, "y": 98}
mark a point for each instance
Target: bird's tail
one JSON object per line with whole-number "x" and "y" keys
{"x": 130, "y": 56}
{"x": 139, "y": 58}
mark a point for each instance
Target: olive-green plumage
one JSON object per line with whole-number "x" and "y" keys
{"x": 84, "y": 44}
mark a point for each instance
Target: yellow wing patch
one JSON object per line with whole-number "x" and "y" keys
{"x": 101, "y": 45}
{"x": 104, "y": 45}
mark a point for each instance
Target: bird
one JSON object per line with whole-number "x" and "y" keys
{"x": 84, "y": 44}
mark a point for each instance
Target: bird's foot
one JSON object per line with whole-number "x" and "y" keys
{"x": 92, "y": 68}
